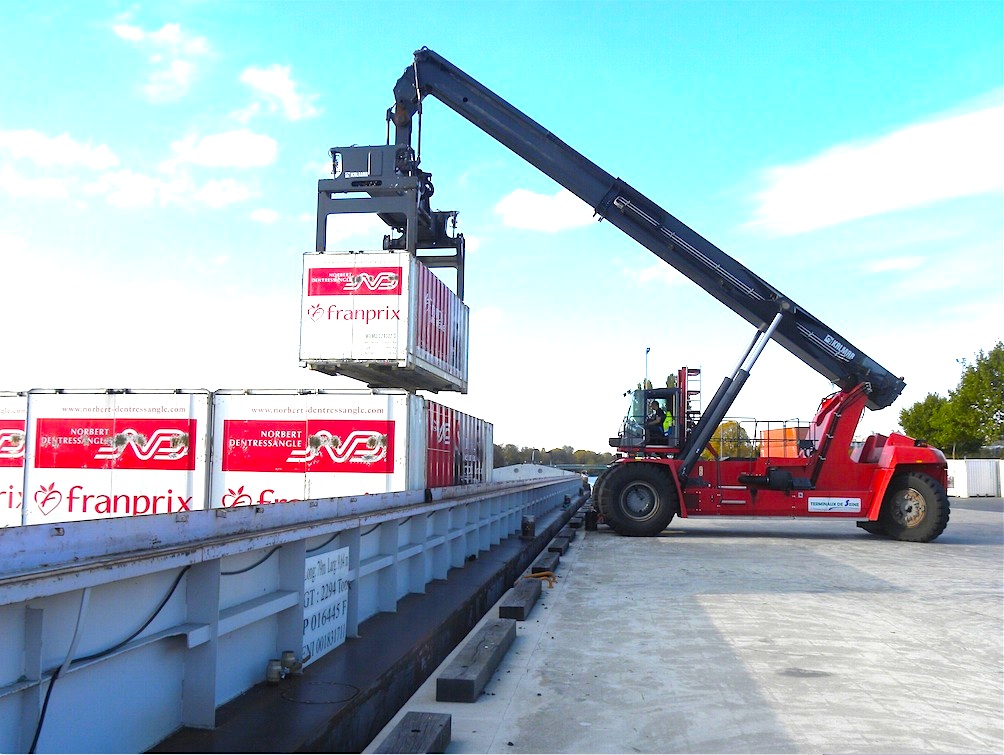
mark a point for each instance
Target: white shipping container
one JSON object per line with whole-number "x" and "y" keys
{"x": 279, "y": 446}
{"x": 383, "y": 318}
{"x": 102, "y": 454}
{"x": 971, "y": 478}
{"x": 982, "y": 479}
{"x": 957, "y": 479}
{"x": 13, "y": 410}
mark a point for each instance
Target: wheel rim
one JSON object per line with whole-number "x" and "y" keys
{"x": 638, "y": 500}
{"x": 908, "y": 508}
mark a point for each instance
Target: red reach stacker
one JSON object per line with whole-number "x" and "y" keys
{"x": 892, "y": 485}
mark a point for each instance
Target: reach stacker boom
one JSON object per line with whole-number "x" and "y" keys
{"x": 892, "y": 485}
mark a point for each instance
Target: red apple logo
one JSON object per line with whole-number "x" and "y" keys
{"x": 47, "y": 499}
{"x": 236, "y": 498}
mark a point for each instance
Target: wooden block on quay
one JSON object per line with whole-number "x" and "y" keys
{"x": 558, "y": 545}
{"x": 567, "y": 532}
{"x": 575, "y": 522}
{"x": 517, "y": 603}
{"x": 545, "y": 562}
{"x": 418, "y": 732}
{"x": 469, "y": 672}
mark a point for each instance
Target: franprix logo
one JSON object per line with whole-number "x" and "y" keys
{"x": 357, "y": 448}
{"x": 12, "y": 446}
{"x": 79, "y": 503}
{"x": 98, "y": 443}
{"x": 162, "y": 445}
{"x": 367, "y": 315}
{"x": 299, "y": 446}
{"x": 351, "y": 281}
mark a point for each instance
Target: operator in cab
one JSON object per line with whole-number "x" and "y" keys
{"x": 654, "y": 423}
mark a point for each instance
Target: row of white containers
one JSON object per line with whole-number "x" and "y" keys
{"x": 75, "y": 455}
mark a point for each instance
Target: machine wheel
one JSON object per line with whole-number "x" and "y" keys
{"x": 639, "y": 499}
{"x": 599, "y": 497}
{"x": 915, "y": 508}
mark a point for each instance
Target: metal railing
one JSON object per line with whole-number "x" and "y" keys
{"x": 118, "y": 632}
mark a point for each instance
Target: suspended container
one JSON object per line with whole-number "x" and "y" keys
{"x": 382, "y": 318}
{"x": 13, "y": 410}
{"x": 104, "y": 454}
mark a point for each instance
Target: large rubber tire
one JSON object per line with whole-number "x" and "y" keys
{"x": 599, "y": 498}
{"x": 639, "y": 499}
{"x": 915, "y": 508}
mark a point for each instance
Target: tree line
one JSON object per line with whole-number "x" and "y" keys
{"x": 508, "y": 454}
{"x": 970, "y": 420}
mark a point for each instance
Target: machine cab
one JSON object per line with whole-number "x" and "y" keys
{"x": 652, "y": 420}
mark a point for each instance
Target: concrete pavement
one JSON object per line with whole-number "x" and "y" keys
{"x": 738, "y": 635}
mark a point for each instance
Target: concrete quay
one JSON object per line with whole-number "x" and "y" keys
{"x": 740, "y": 635}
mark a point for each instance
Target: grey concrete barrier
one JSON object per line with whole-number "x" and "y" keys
{"x": 558, "y": 545}
{"x": 464, "y": 679}
{"x": 517, "y": 603}
{"x": 418, "y": 732}
{"x": 545, "y": 562}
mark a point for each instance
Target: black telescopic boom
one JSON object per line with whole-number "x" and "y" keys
{"x": 741, "y": 290}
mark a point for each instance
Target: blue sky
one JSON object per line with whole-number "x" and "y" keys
{"x": 158, "y": 168}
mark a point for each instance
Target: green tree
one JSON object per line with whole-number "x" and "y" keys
{"x": 979, "y": 398}
{"x": 973, "y": 413}
{"x": 731, "y": 441}
{"x": 925, "y": 419}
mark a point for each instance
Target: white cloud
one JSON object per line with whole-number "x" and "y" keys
{"x": 244, "y": 115}
{"x": 275, "y": 87}
{"x": 354, "y": 230}
{"x": 218, "y": 194}
{"x": 539, "y": 212}
{"x": 472, "y": 243}
{"x": 125, "y": 188}
{"x": 158, "y": 326}
{"x": 918, "y": 165}
{"x": 129, "y": 32}
{"x": 319, "y": 168}
{"x": 232, "y": 149}
{"x": 63, "y": 150}
{"x": 894, "y": 264}
{"x": 171, "y": 82}
{"x": 172, "y": 54}
{"x": 13, "y": 183}
{"x": 264, "y": 215}
{"x": 171, "y": 36}
{"x": 12, "y": 246}
{"x": 660, "y": 272}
